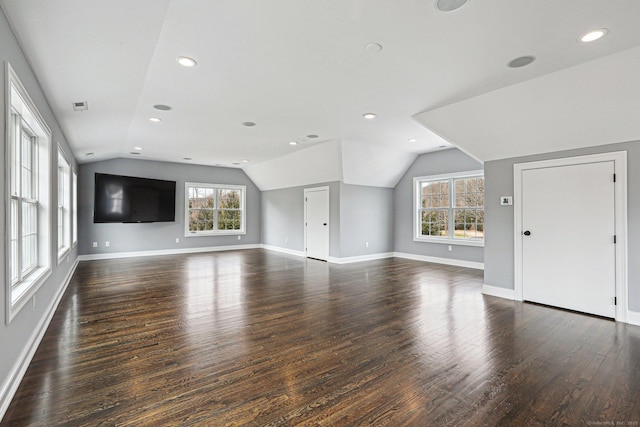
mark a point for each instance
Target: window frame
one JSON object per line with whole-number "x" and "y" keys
{"x": 216, "y": 187}
{"x": 74, "y": 207}
{"x": 21, "y": 114}
{"x": 417, "y": 221}
{"x": 63, "y": 211}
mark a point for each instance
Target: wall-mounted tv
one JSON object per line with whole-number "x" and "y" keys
{"x": 130, "y": 199}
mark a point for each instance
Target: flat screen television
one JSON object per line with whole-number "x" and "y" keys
{"x": 131, "y": 199}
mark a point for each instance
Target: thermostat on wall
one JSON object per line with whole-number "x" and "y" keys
{"x": 506, "y": 200}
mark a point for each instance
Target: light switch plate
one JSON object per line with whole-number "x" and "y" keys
{"x": 506, "y": 200}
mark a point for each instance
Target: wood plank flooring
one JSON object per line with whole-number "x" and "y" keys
{"x": 260, "y": 338}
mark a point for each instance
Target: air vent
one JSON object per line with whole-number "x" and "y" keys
{"x": 80, "y": 106}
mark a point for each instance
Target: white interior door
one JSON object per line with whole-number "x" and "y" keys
{"x": 317, "y": 223}
{"x": 568, "y": 228}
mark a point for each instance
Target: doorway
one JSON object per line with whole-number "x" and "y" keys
{"x": 316, "y": 223}
{"x": 570, "y": 233}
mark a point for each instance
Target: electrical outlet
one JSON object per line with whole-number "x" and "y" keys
{"x": 450, "y": 248}
{"x": 107, "y": 244}
{"x": 286, "y": 240}
{"x": 239, "y": 237}
{"x": 33, "y": 307}
{"x": 95, "y": 244}
{"x": 366, "y": 244}
{"x": 177, "y": 240}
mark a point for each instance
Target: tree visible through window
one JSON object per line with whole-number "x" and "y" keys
{"x": 215, "y": 209}
{"x": 450, "y": 208}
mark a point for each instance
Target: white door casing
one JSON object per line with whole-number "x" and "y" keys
{"x": 316, "y": 218}
{"x": 572, "y": 209}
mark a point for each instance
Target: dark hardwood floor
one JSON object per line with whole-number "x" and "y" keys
{"x": 260, "y": 338}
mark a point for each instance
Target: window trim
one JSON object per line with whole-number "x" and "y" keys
{"x": 243, "y": 210}
{"x": 18, "y": 294}
{"x": 416, "y": 206}
{"x": 74, "y": 207}
{"x": 64, "y": 248}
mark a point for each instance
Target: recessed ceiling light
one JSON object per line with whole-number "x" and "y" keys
{"x": 592, "y": 36}
{"x": 521, "y": 61}
{"x": 137, "y": 148}
{"x": 442, "y": 146}
{"x": 187, "y": 158}
{"x": 185, "y": 61}
{"x": 235, "y": 163}
{"x": 90, "y": 154}
{"x": 155, "y": 119}
{"x": 373, "y": 48}
{"x": 248, "y": 124}
{"x": 312, "y": 136}
{"x": 293, "y": 142}
{"x": 135, "y": 153}
{"x": 369, "y": 116}
{"x": 162, "y": 107}
{"x": 450, "y": 5}
{"x": 413, "y": 140}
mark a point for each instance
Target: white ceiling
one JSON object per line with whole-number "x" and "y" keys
{"x": 300, "y": 67}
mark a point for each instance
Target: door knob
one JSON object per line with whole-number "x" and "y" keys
{"x": 527, "y": 233}
{"x": 324, "y": 223}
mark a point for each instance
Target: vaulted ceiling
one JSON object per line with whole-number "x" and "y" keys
{"x": 307, "y": 71}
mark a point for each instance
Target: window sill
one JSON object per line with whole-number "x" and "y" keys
{"x": 62, "y": 252}
{"x": 214, "y": 234}
{"x": 21, "y": 293}
{"x": 460, "y": 242}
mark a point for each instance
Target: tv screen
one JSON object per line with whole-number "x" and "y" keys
{"x": 130, "y": 199}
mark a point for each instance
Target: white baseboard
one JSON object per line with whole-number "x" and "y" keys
{"x": 10, "y": 385}
{"x": 633, "y": 318}
{"x": 283, "y": 250}
{"x": 496, "y": 291}
{"x": 331, "y": 259}
{"x": 167, "y": 252}
{"x": 437, "y": 260}
{"x": 360, "y": 258}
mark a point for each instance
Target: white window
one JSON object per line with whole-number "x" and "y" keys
{"x": 213, "y": 209}
{"x": 64, "y": 205}
{"x": 449, "y": 208}
{"x": 28, "y": 201}
{"x": 74, "y": 208}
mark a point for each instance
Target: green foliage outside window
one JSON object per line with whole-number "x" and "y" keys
{"x": 214, "y": 209}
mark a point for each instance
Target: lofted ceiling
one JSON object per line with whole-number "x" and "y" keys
{"x": 299, "y": 67}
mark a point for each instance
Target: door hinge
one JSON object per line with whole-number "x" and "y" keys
{"x": 614, "y": 177}
{"x": 615, "y": 300}
{"x": 306, "y": 200}
{"x": 615, "y": 239}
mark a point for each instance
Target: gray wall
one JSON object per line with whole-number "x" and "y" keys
{"x": 366, "y": 215}
{"x": 283, "y": 217}
{"x": 15, "y": 336}
{"x": 499, "y": 244}
{"x": 160, "y": 235}
{"x": 440, "y": 162}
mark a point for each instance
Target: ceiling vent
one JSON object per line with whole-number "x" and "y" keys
{"x": 80, "y": 106}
